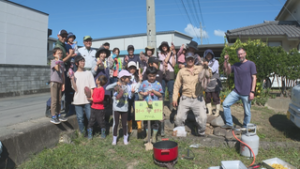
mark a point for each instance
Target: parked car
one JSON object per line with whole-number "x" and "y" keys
{"x": 293, "y": 113}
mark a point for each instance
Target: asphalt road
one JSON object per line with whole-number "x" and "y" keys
{"x": 21, "y": 109}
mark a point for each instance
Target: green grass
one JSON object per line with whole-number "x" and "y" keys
{"x": 101, "y": 154}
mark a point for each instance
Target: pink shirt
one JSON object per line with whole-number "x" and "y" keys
{"x": 162, "y": 57}
{"x": 181, "y": 56}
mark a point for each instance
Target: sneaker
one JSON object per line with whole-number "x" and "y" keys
{"x": 62, "y": 119}
{"x": 55, "y": 121}
{"x": 227, "y": 127}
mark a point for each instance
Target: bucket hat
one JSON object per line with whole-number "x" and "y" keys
{"x": 102, "y": 49}
{"x": 71, "y": 34}
{"x": 164, "y": 43}
{"x": 123, "y": 73}
{"x": 192, "y": 44}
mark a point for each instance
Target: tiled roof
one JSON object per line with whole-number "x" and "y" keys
{"x": 291, "y": 29}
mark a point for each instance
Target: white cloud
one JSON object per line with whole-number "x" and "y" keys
{"x": 219, "y": 33}
{"x": 194, "y": 31}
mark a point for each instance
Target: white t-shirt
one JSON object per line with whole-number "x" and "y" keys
{"x": 82, "y": 79}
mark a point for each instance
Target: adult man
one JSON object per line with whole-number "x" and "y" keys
{"x": 192, "y": 93}
{"x": 87, "y": 52}
{"x": 245, "y": 82}
{"x": 61, "y": 39}
{"x": 66, "y": 57}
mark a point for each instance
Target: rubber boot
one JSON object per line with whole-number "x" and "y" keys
{"x": 217, "y": 110}
{"x": 103, "y": 135}
{"x": 209, "y": 108}
{"x": 90, "y": 133}
{"x": 139, "y": 129}
{"x": 129, "y": 126}
{"x": 146, "y": 138}
{"x": 154, "y": 134}
{"x": 126, "y": 139}
{"x": 114, "y": 142}
{"x": 162, "y": 129}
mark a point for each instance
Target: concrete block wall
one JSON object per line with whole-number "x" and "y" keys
{"x": 16, "y": 80}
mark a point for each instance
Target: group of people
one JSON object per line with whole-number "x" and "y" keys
{"x": 113, "y": 82}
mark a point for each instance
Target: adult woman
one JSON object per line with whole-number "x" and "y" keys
{"x": 214, "y": 86}
{"x": 167, "y": 57}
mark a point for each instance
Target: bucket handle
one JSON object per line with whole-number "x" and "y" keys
{"x": 164, "y": 139}
{"x": 165, "y": 151}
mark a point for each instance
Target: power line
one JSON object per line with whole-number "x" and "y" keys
{"x": 200, "y": 9}
{"x": 189, "y": 18}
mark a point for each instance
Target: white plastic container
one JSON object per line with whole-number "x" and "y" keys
{"x": 233, "y": 165}
{"x": 250, "y": 138}
{"x": 270, "y": 162}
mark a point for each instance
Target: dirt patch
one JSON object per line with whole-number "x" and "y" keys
{"x": 132, "y": 165}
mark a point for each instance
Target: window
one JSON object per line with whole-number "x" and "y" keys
{"x": 274, "y": 44}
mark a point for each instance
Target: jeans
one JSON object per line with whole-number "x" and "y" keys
{"x": 170, "y": 85}
{"x": 80, "y": 117}
{"x": 230, "y": 100}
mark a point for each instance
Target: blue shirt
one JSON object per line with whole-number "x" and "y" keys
{"x": 146, "y": 86}
{"x": 243, "y": 77}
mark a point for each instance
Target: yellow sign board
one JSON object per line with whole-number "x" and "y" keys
{"x": 145, "y": 112}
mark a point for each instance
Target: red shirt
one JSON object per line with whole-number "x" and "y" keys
{"x": 98, "y": 97}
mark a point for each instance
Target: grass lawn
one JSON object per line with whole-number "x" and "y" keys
{"x": 99, "y": 153}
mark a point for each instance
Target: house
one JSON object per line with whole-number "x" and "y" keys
{"x": 23, "y": 50}
{"x": 24, "y": 29}
{"x": 284, "y": 31}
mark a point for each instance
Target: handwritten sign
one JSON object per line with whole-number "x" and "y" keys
{"x": 144, "y": 112}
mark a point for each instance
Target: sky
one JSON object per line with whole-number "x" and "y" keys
{"x": 99, "y": 18}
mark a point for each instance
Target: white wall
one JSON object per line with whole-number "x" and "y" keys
{"x": 23, "y": 35}
{"x": 140, "y": 42}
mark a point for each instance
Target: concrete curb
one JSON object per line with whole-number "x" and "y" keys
{"x": 19, "y": 146}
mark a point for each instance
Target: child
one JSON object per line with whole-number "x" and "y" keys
{"x": 181, "y": 55}
{"x": 80, "y": 80}
{"x": 57, "y": 85}
{"x": 151, "y": 90}
{"x": 97, "y": 108}
{"x": 133, "y": 86}
{"x": 120, "y": 104}
{"x": 154, "y": 62}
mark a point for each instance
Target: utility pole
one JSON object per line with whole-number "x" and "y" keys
{"x": 201, "y": 32}
{"x": 151, "y": 25}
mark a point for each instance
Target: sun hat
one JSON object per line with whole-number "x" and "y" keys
{"x": 149, "y": 48}
{"x": 192, "y": 44}
{"x": 164, "y": 43}
{"x": 123, "y": 73}
{"x": 102, "y": 49}
{"x": 131, "y": 63}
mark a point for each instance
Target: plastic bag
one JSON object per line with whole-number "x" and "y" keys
{"x": 180, "y": 131}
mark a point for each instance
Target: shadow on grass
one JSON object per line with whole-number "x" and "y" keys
{"x": 289, "y": 129}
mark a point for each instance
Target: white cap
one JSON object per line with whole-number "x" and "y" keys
{"x": 131, "y": 63}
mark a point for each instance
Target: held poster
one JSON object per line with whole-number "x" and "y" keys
{"x": 143, "y": 111}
